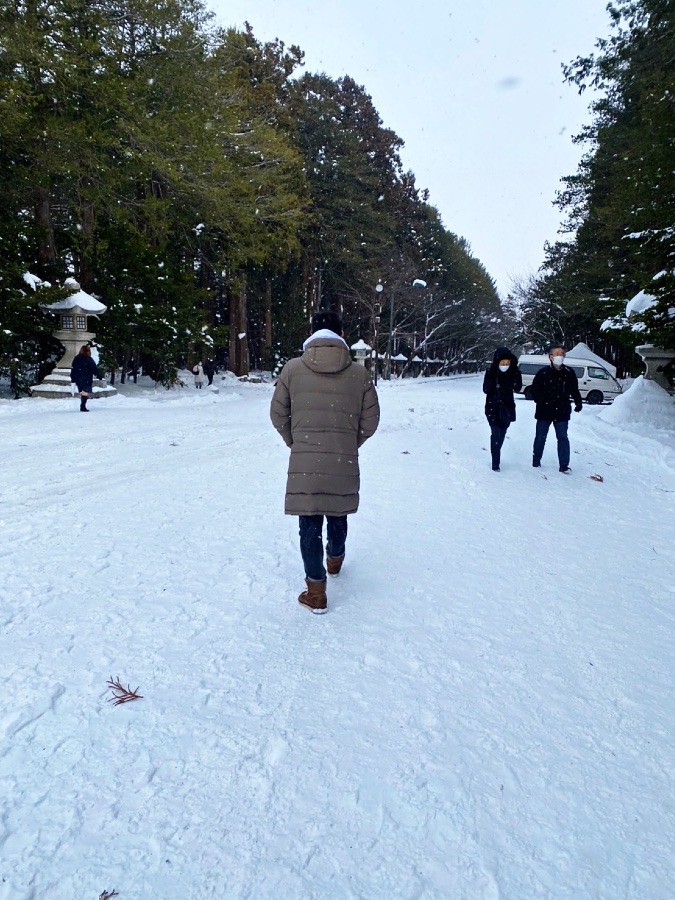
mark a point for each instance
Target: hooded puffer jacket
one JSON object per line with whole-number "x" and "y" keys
{"x": 324, "y": 407}
{"x": 501, "y": 385}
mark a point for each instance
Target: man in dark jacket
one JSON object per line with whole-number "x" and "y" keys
{"x": 551, "y": 390}
{"x": 324, "y": 407}
{"x": 82, "y": 374}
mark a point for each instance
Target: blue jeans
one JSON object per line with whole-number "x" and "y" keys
{"x": 311, "y": 542}
{"x": 543, "y": 426}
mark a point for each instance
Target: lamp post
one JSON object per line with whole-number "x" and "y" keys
{"x": 390, "y": 348}
{"x": 378, "y": 290}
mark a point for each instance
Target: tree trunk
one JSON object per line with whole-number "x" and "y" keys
{"x": 239, "y": 362}
{"x": 85, "y": 275}
{"x": 46, "y": 250}
{"x": 308, "y": 284}
{"x": 207, "y": 279}
{"x": 267, "y": 334}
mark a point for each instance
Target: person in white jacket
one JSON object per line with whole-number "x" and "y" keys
{"x": 200, "y": 377}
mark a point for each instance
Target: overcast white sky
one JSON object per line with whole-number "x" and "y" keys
{"x": 473, "y": 87}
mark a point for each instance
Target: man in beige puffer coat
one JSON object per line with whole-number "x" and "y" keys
{"x": 324, "y": 407}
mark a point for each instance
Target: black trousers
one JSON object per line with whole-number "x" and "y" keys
{"x": 497, "y": 435}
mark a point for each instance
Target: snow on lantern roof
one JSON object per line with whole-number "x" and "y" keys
{"x": 399, "y": 358}
{"x": 80, "y": 299}
{"x": 361, "y": 345}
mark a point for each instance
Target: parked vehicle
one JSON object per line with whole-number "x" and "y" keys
{"x": 595, "y": 383}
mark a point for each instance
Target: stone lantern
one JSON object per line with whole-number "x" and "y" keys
{"x": 73, "y": 331}
{"x": 362, "y": 351}
{"x": 398, "y": 361}
{"x": 656, "y": 359}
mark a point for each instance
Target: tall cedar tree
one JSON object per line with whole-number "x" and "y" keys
{"x": 621, "y": 203}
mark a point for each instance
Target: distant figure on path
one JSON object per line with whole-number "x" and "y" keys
{"x": 82, "y": 374}
{"x": 500, "y": 381}
{"x": 209, "y": 370}
{"x": 324, "y": 407}
{"x": 198, "y": 372}
{"x": 551, "y": 390}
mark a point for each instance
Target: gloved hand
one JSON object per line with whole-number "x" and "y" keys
{"x": 578, "y": 407}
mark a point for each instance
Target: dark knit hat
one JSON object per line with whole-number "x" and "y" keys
{"x": 327, "y": 318}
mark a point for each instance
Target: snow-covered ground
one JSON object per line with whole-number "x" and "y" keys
{"x": 486, "y": 711}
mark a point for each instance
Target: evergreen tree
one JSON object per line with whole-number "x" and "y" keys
{"x": 183, "y": 175}
{"x": 621, "y": 202}
{"x": 352, "y": 168}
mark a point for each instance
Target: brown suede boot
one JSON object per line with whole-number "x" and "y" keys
{"x": 314, "y": 598}
{"x": 334, "y": 564}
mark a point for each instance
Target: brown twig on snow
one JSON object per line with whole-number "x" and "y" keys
{"x": 121, "y": 694}
{"x": 596, "y": 477}
{"x": 106, "y": 895}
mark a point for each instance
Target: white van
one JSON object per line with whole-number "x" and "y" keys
{"x": 595, "y": 383}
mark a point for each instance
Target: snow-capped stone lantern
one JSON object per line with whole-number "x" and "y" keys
{"x": 654, "y": 358}
{"x": 398, "y": 361}
{"x": 73, "y": 332}
{"x": 362, "y": 351}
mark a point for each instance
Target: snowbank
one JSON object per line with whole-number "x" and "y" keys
{"x": 645, "y": 403}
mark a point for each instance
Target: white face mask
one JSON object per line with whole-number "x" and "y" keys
{"x": 504, "y": 368}
{"x": 557, "y": 360}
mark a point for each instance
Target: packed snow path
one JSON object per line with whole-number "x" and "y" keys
{"x": 486, "y": 711}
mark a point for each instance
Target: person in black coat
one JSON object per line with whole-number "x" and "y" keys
{"x": 501, "y": 380}
{"x": 551, "y": 390}
{"x": 82, "y": 374}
